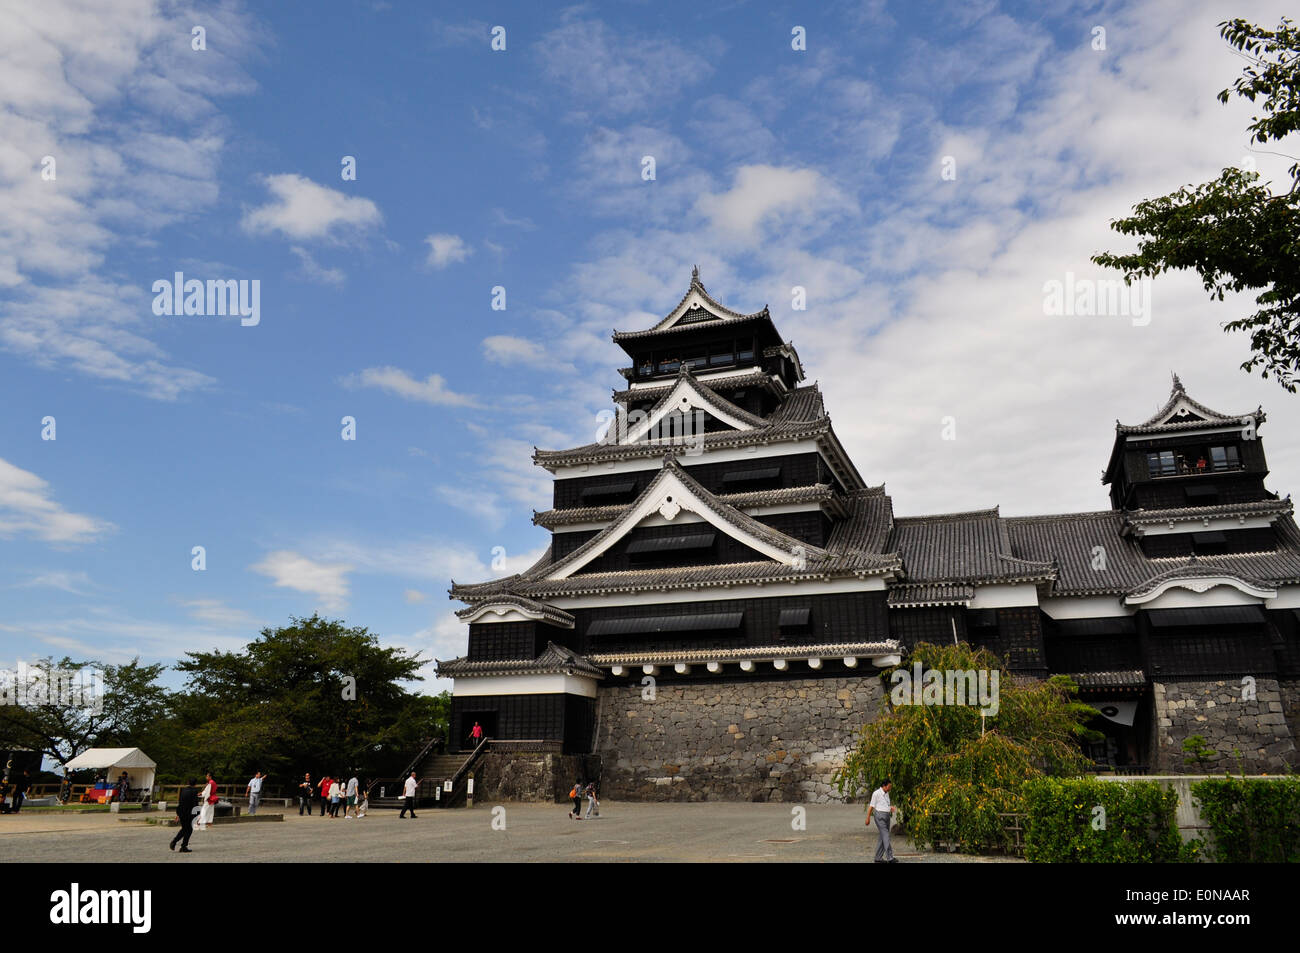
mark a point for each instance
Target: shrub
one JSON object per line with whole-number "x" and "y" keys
{"x": 1252, "y": 821}
{"x": 954, "y": 771}
{"x": 1064, "y": 825}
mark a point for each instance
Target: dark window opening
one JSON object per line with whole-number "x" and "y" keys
{"x": 1209, "y": 544}
{"x": 609, "y": 493}
{"x": 740, "y": 480}
{"x": 1225, "y": 458}
{"x": 1162, "y": 463}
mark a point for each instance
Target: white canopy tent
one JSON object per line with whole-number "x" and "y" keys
{"x": 139, "y": 767}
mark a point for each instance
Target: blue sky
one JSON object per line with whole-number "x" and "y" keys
{"x": 522, "y": 168}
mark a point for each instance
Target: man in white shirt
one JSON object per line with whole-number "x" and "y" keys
{"x": 254, "y": 792}
{"x": 884, "y": 812}
{"x": 351, "y": 795}
{"x": 408, "y": 792}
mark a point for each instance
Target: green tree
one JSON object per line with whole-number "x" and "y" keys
{"x": 131, "y": 702}
{"x": 1233, "y": 231}
{"x": 954, "y": 770}
{"x": 314, "y": 695}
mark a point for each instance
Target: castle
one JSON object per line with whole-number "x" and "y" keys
{"x": 722, "y": 588}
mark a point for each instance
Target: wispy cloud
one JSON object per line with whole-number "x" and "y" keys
{"x": 445, "y": 250}
{"x": 432, "y": 390}
{"x": 218, "y": 613}
{"x": 511, "y": 351}
{"x": 76, "y": 583}
{"x": 291, "y": 570}
{"x": 27, "y": 508}
{"x": 608, "y": 70}
{"x": 474, "y": 500}
{"x": 315, "y": 272}
{"x": 105, "y": 142}
{"x": 302, "y": 210}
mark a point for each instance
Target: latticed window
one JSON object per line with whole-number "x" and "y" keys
{"x": 1225, "y": 458}
{"x": 1162, "y": 463}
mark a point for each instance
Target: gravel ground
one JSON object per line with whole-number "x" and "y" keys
{"x": 700, "y": 832}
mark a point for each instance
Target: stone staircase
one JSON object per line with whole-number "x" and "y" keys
{"x": 431, "y": 771}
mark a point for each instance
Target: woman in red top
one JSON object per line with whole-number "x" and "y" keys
{"x": 325, "y": 794}
{"x": 208, "y": 801}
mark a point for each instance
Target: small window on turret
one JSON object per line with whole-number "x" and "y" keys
{"x": 1162, "y": 463}
{"x": 1225, "y": 458}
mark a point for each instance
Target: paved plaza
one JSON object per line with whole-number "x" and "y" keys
{"x": 700, "y": 832}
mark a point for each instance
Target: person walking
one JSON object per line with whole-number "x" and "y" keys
{"x": 325, "y": 794}
{"x": 350, "y": 793}
{"x": 364, "y": 804}
{"x": 305, "y": 793}
{"x": 408, "y": 796}
{"x": 208, "y": 800}
{"x": 591, "y": 801}
{"x": 186, "y": 807}
{"x": 476, "y": 734}
{"x": 336, "y": 793}
{"x": 884, "y": 812}
{"x": 575, "y": 798}
{"x": 254, "y": 793}
{"x": 20, "y": 790}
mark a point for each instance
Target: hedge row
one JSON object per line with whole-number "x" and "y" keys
{"x": 1251, "y": 821}
{"x": 1102, "y": 822}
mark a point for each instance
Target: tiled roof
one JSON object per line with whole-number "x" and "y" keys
{"x": 802, "y": 414}
{"x": 786, "y": 349}
{"x": 555, "y": 660}
{"x": 813, "y": 493}
{"x": 551, "y": 613}
{"x": 1214, "y": 511}
{"x": 709, "y": 398}
{"x": 755, "y": 378}
{"x": 722, "y": 312}
{"x": 1133, "y": 678}
{"x": 850, "y": 551}
{"x": 1196, "y": 568}
{"x": 1208, "y": 417}
{"x": 824, "y": 650}
{"x": 962, "y": 547}
{"x": 1070, "y": 540}
{"x": 910, "y": 597}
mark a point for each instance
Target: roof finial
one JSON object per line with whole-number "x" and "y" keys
{"x": 695, "y": 273}
{"x": 1178, "y": 385}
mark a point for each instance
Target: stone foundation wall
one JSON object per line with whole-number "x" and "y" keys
{"x": 529, "y": 776}
{"x": 742, "y": 740}
{"x": 1246, "y": 735}
{"x": 1290, "y": 689}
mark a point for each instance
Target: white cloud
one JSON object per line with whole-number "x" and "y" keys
{"x": 291, "y": 570}
{"x": 513, "y": 351}
{"x": 621, "y": 71}
{"x": 218, "y": 613}
{"x": 107, "y": 634}
{"x": 76, "y": 583}
{"x": 315, "y": 272}
{"x": 303, "y": 210}
{"x": 925, "y": 296}
{"x": 127, "y": 114}
{"x": 500, "y": 217}
{"x": 26, "y": 508}
{"x": 432, "y": 390}
{"x": 414, "y": 595}
{"x": 468, "y": 33}
{"x": 474, "y": 500}
{"x": 761, "y": 193}
{"x": 445, "y": 250}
